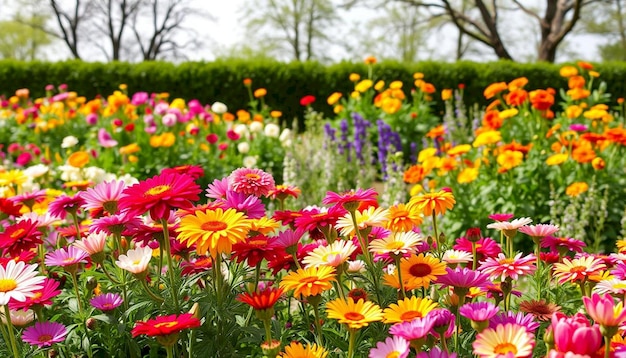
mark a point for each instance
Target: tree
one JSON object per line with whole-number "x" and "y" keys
{"x": 113, "y": 18}
{"x": 21, "y": 42}
{"x": 69, "y": 20}
{"x": 608, "y": 18}
{"x": 299, "y": 26}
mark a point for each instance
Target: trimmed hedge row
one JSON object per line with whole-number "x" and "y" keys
{"x": 286, "y": 82}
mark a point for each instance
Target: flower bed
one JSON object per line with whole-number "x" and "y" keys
{"x": 149, "y": 231}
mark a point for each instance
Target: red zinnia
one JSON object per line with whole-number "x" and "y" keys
{"x": 307, "y": 100}
{"x": 159, "y": 195}
{"x": 19, "y": 237}
{"x": 8, "y": 208}
{"x": 263, "y": 299}
{"x": 193, "y": 171}
{"x": 254, "y": 250}
{"x": 165, "y": 325}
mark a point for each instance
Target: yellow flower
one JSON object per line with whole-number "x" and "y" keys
{"x": 425, "y": 154}
{"x": 577, "y": 188}
{"x": 395, "y": 85}
{"x": 129, "y": 149}
{"x": 434, "y": 203}
{"x": 568, "y": 71}
{"x": 446, "y": 94}
{"x": 391, "y": 105}
{"x": 408, "y": 309}
{"x": 379, "y": 85}
{"x": 578, "y": 93}
{"x": 334, "y": 98}
{"x": 403, "y": 218}
{"x": 297, "y": 350}
{"x": 337, "y": 109}
{"x": 213, "y": 230}
{"x": 486, "y": 138}
{"x": 310, "y": 281}
{"x": 354, "y": 314}
{"x": 510, "y": 159}
{"x": 494, "y": 88}
{"x": 363, "y": 86}
{"x": 557, "y": 159}
{"x": 459, "y": 150}
{"x": 420, "y": 270}
{"x": 260, "y": 92}
{"x": 13, "y": 177}
{"x": 78, "y": 159}
{"x": 264, "y": 225}
{"x": 573, "y": 111}
{"x": 354, "y": 77}
{"x": 276, "y": 114}
{"x": 467, "y": 175}
{"x": 418, "y": 76}
{"x": 508, "y": 113}
{"x": 178, "y": 103}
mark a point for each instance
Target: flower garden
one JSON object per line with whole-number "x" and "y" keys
{"x": 139, "y": 225}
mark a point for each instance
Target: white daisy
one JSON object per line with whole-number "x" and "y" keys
{"x": 136, "y": 260}
{"x": 18, "y": 281}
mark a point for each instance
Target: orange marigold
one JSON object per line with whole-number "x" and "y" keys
{"x": 493, "y": 89}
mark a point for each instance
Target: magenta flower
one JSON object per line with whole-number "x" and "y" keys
{"x": 30, "y": 198}
{"x": 250, "y": 205}
{"x": 286, "y": 239}
{"x": 478, "y": 311}
{"x": 463, "y": 278}
{"x": 561, "y": 244}
{"x": 251, "y": 181}
{"x": 63, "y": 205}
{"x": 114, "y": 224}
{"x": 604, "y": 311}
{"x": 436, "y": 352}
{"x": 505, "y": 267}
{"x": 106, "y": 302}
{"x": 575, "y": 334}
{"x": 218, "y": 189}
{"x": 105, "y": 139}
{"x": 578, "y": 127}
{"x": 392, "y": 347}
{"x": 412, "y": 330}
{"x": 501, "y": 217}
{"x": 485, "y": 247}
{"x": 41, "y": 297}
{"x": 518, "y": 318}
{"x": 351, "y": 199}
{"x": 444, "y": 322}
{"x": 44, "y": 334}
{"x": 66, "y": 257}
{"x": 103, "y": 196}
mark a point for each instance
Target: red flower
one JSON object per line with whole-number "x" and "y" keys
{"x": 261, "y": 300}
{"x": 8, "y": 208}
{"x": 352, "y": 199}
{"x": 254, "y": 250}
{"x": 19, "y": 237}
{"x": 307, "y": 100}
{"x": 194, "y": 171}
{"x": 165, "y": 325}
{"x": 42, "y": 297}
{"x": 159, "y": 195}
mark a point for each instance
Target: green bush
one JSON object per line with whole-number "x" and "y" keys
{"x": 286, "y": 82}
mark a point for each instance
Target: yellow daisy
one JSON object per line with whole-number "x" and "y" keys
{"x": 408, "y": 309}
{"x": 421, "y": 269}
{"x": 297, "y": 350}
{"x": 403, "y": 217}
{"x": 354, "y": 314}
{"x": 436, "y": 203}
{"x": 310, "y": 281}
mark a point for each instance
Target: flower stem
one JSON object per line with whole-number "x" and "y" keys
{"x": 539, "y": 273}
{"x": 444, "y": 343}
{"x": 318, "y": 327}
{"x": 77, "y": 225}
{"x": 108, "y": 275}
{"x": 474, "y": 258}
{"x": 170, "y": 264}
{"x": 607, "y": 346}
{"x": 397, "y": 259}
{"x": 150, "y": 293}
{"x": 435, "y": 230}
{"x": 75, "y": 283}
{"x": 352, "y": 342}
{"x": 268, "y": 331}
{"x": 168, "y": 349}
{"x": 7, "y": 314}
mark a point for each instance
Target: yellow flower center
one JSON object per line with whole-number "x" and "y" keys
{"x": 17, "y": 233}
{"x": 214, "y": 226}
{"x": 507, "y": 261}
{"x": 505, "y": 348}
{"x": 578, "y": 269}
{"x": 410, "y": 315}
{"x": 395, "y": 245}
{"x": 7, "y": 284}
{"x": 166, "y": 324}
{"x": 257, "y": 242}
{"x": 253, "y": 176}
{"x": 394, "y": 354}
{"x": 159, "y": 189}
{"x": 420, "y": 270}
{"x": 44, "y": 338}
{"x": 354, "y": 316}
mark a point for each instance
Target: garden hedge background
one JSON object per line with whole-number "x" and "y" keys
{"x": 286, "y": 82}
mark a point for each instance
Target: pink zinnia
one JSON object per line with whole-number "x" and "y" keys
{"x": 501, "y": 217}
{"x": 105, "y": 139}
{"x": 251, "y": 181}
{"x": 352, "y": 199}
{"x": 562, "y": 244}
{"x": 604, "y": 311}
{"x": 64, "y": 205}
{"x": 412, "y": 330}
{"x": 250, "y": 205}
{"x": 319, "y": 218}
{"x": 218, "y": 189}
{"x": 29, "y": 199}
{"x": 103, "y": 196}
{"x": 66, "y": 257}
{"x": 44, "y": 334}
{"x": 392, "y": 347}
{"x": 539, "y": 230}
{"x": 41, "y": 297}
{"x": 194, "y": 171}
{"x": 478, "y": 311}
{"x": 115, "y": 224}
{"x": 159, "y": 195}
{"x": 485, "y": 247}
{"x": 504, "y": 267}
{"x": 444, "y": 322}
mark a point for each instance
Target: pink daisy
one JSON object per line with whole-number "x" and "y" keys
{"x": 105, "y": 139}
{"x": 478, "y": 311}
{"x": 562, "y": 244}
{"x": 319, "y": 218}
{"x": 115, "y": 224}
{"x": 106, "y": 302}
{"x": 93, "y": 244}
{"x": 619, "y": 271}
{"x": 41, "y": 297}
{"x": 504, "y": 267}
{"x": 251, "y": 181}
{"x": 288, "y": 239}
{"x": 44, "y": 334}
{"x": 352, "y": 199}
{"x": 539, "y": 231}
{"x": 462, "y": 279}
{"x": 444, "y": 322}
{"x": 519, "y": 318}
{"x": 436, "y": 352}
{"x": 104, "y": 196}
{"x": 29, "y": 199}
{"x": 501, "y": 217}
{"x": 66, "y": 257}
{"x": 509, "y": 227}
{"x": 412, "y": 330}
{"x": 485, "y": 247}
{"x": 392, "y": 347}
{"x": 250, "y": 205}
{"x": 218, "y": 189}
{"x": 159, "y": 195}
{"x": 63, "y": 205}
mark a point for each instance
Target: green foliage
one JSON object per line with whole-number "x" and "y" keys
{"x": 286, "y": 82}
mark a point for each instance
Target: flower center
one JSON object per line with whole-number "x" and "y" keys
{"x": 159, "y": 189}
{"x": 420, "y": 270}
{"x": 252, "y": 176}
{"x": 17, "y": 233}
{"x": 257, "y": 242}
{"x": 394, "y": 354}
{"x": 578, "y": 269}
{"x": 395, "y": 245}
{"x": 505, "y": 348}
{"x": 309, "y": 280}
{"x": 354, "y": 316}
{"x": 410, "y": 315}
{"x": 214, "y": 226}
{"x": 166, "y": 324}
{"x": 44, "y": 338}
{"x": 7, "y": 284}
{"x": 69, "y": 260}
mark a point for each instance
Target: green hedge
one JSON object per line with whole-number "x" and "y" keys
{"x": 286, "y": 82}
